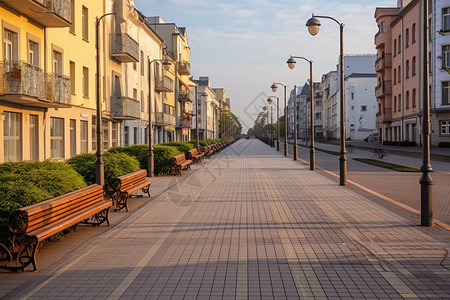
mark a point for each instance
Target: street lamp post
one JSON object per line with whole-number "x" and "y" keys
{"x": 426, "y": 182}
{"x": 269, "y": 101}
{"x": 295, "y": 124}
{"x": 272, "y": 143}
{"x": 99, "y": 164}
{"x": 312, "y": 149}
{"x": 274, "y": 89}
{"x": 313, "y": 25}
{"x": 150, "y": 157}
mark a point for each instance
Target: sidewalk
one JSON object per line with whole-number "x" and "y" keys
{"x": 252, "y": 224}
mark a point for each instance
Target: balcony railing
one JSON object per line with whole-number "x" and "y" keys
{"x": 48, "y": 13}
{"x": 59, "y": 88}
{"x": 383, "y": 89}
{"x": 383, "y": 62}
{"x": 158, "y": 118}
{"x": 124, "y": 48}
{"x": 184, "y": 68}
{"x": 22, "y": 79}
{"x": 184, "y": 96}
{"x": 124, "y": 108}
{"x": 169, "y": 119}
{"x": 184, "y": 122}
{"x": 163, "y": 84}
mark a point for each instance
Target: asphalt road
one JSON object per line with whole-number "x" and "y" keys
{"x": 403, "y": 187}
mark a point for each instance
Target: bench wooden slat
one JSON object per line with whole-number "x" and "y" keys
{"x": 129, "y": 184}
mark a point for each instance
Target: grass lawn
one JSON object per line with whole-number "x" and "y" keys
{"x": 386, "y": 165}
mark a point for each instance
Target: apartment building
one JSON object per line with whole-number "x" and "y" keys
{"x": 47, "y": 96}
{"x": 208, "y": 109}
{"x": 439, "y": 22}
{"x": 176, "y": 39}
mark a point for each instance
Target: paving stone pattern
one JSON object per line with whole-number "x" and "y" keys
{"x": 252, "y": 224}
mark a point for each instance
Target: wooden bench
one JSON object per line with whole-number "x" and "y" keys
{"x": 179, "y": 162}
{"x": 195, "y": 156}
{"x": 125, "y": 186}
{"x": 32, "y": 224}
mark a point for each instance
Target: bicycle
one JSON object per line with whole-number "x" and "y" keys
{"x": 378, "y": 153}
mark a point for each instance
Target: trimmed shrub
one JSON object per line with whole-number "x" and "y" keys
{"x": 140, "y": 152}
{"x": 444, "y": 144}
{"x": 162, "y": 156}
{"x": 26, "y": 183}
{"x": 116, "y": 164}
{"x": 183, "y": 147}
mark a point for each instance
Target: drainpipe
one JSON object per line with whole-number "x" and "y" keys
{"x": 403, "y": 85}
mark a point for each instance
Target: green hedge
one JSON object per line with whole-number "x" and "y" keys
{"x": 403, "y": 143}
{"x": 162, "y": 156}
{"x": 26, "y": 183}
{"x": 444, "y": 144}
{"x": 140, "y": 152}
{"x": 183, "y": 147}
{"x": 116, "y": 164}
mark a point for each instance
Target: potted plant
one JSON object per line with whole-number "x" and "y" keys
{"x": 16, "y": 72}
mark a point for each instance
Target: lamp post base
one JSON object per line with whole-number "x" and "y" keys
{"x": 312, "y": 159}
{"x": 343, "y": 169}
{"x": 100, "y": 170}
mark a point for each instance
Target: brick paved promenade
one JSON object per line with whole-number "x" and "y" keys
{"x": 252, "y": 224}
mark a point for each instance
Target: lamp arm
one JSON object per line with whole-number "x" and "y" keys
{"x": 279, "y": 83}
{"x": 331, "y": 18}
{"x": 301, "y": 57}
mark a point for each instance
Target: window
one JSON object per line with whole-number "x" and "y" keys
{"x": 10, "y": 45}
{"x": 400, "y": 44}
{"x": 33, "y": 53}
{"x": 446, "y": 93}
{"x": 142, "y": 101}
{"x": 445, "y": 127}
{"x": 446, "y": 56}
{"x": 353, "y": 107}
{"x": 446, "y": 19}
{"x": 127, "y": 136}
{"x": 85, "y": 80}
{"x": 395, "y": 47}
{"x": 383, "y": 26}
{"x": 399, "y": 73}
{"x": 407, "y": 69}
{"x": 84, "y": 24}
{"x": 430, "y": 31}
{"x": 413, "y": 97}
{"x": 413, "y": 33}
{"x": 135, "y": 94}
{"x": 395, "y": 103}
{"x": 146, "y": 135}
{"x": 94, "y": 133}
{"x": 407, "y": 38}
{"x": 135, "y": 135}
{"x": 399, "y": 102}
{"x": 363, "y": 107}
{"x": 414, "y": 65}
{"x": 105, "y": 129}
{"x": 353, "y": 96}
{"x": 84, "y": 136}
{"x": 57, "y": 62}
{"x": 56, "y": 138}
{"x": 73, "y": 137}
{"x": 395, "y": 76}
{"x": 34, "y": 137}
{"x": 142, "y": 63}
{"x": 12, "y": 136}
{"x": 72, "y": 77}
{"x": 407, "y": 99}
{"x": 114, "y": 134}
{"x": 72, "y": 17}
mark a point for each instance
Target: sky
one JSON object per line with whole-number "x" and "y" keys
{"x": 243, "y": 45}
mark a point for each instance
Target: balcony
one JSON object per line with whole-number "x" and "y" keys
{"x": 158, "y": 118}
{"x": 124, "y": 108}
{"x": 184, "y": 122}
{"x": 383, "y": 62}
{"x": 163, "y": 84}
{"x": 184, "y": 68}
{"x": 380, "y": 39}
{"x": 24, "y": 84}
{"x": 169, "y": 119}
{"x": 383, "y": 89}
{"x": 184, "y": 96}
{"x": 48, "y": 13}
{"x": 59, "y": 89}
{"x": 124, "y": 48}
